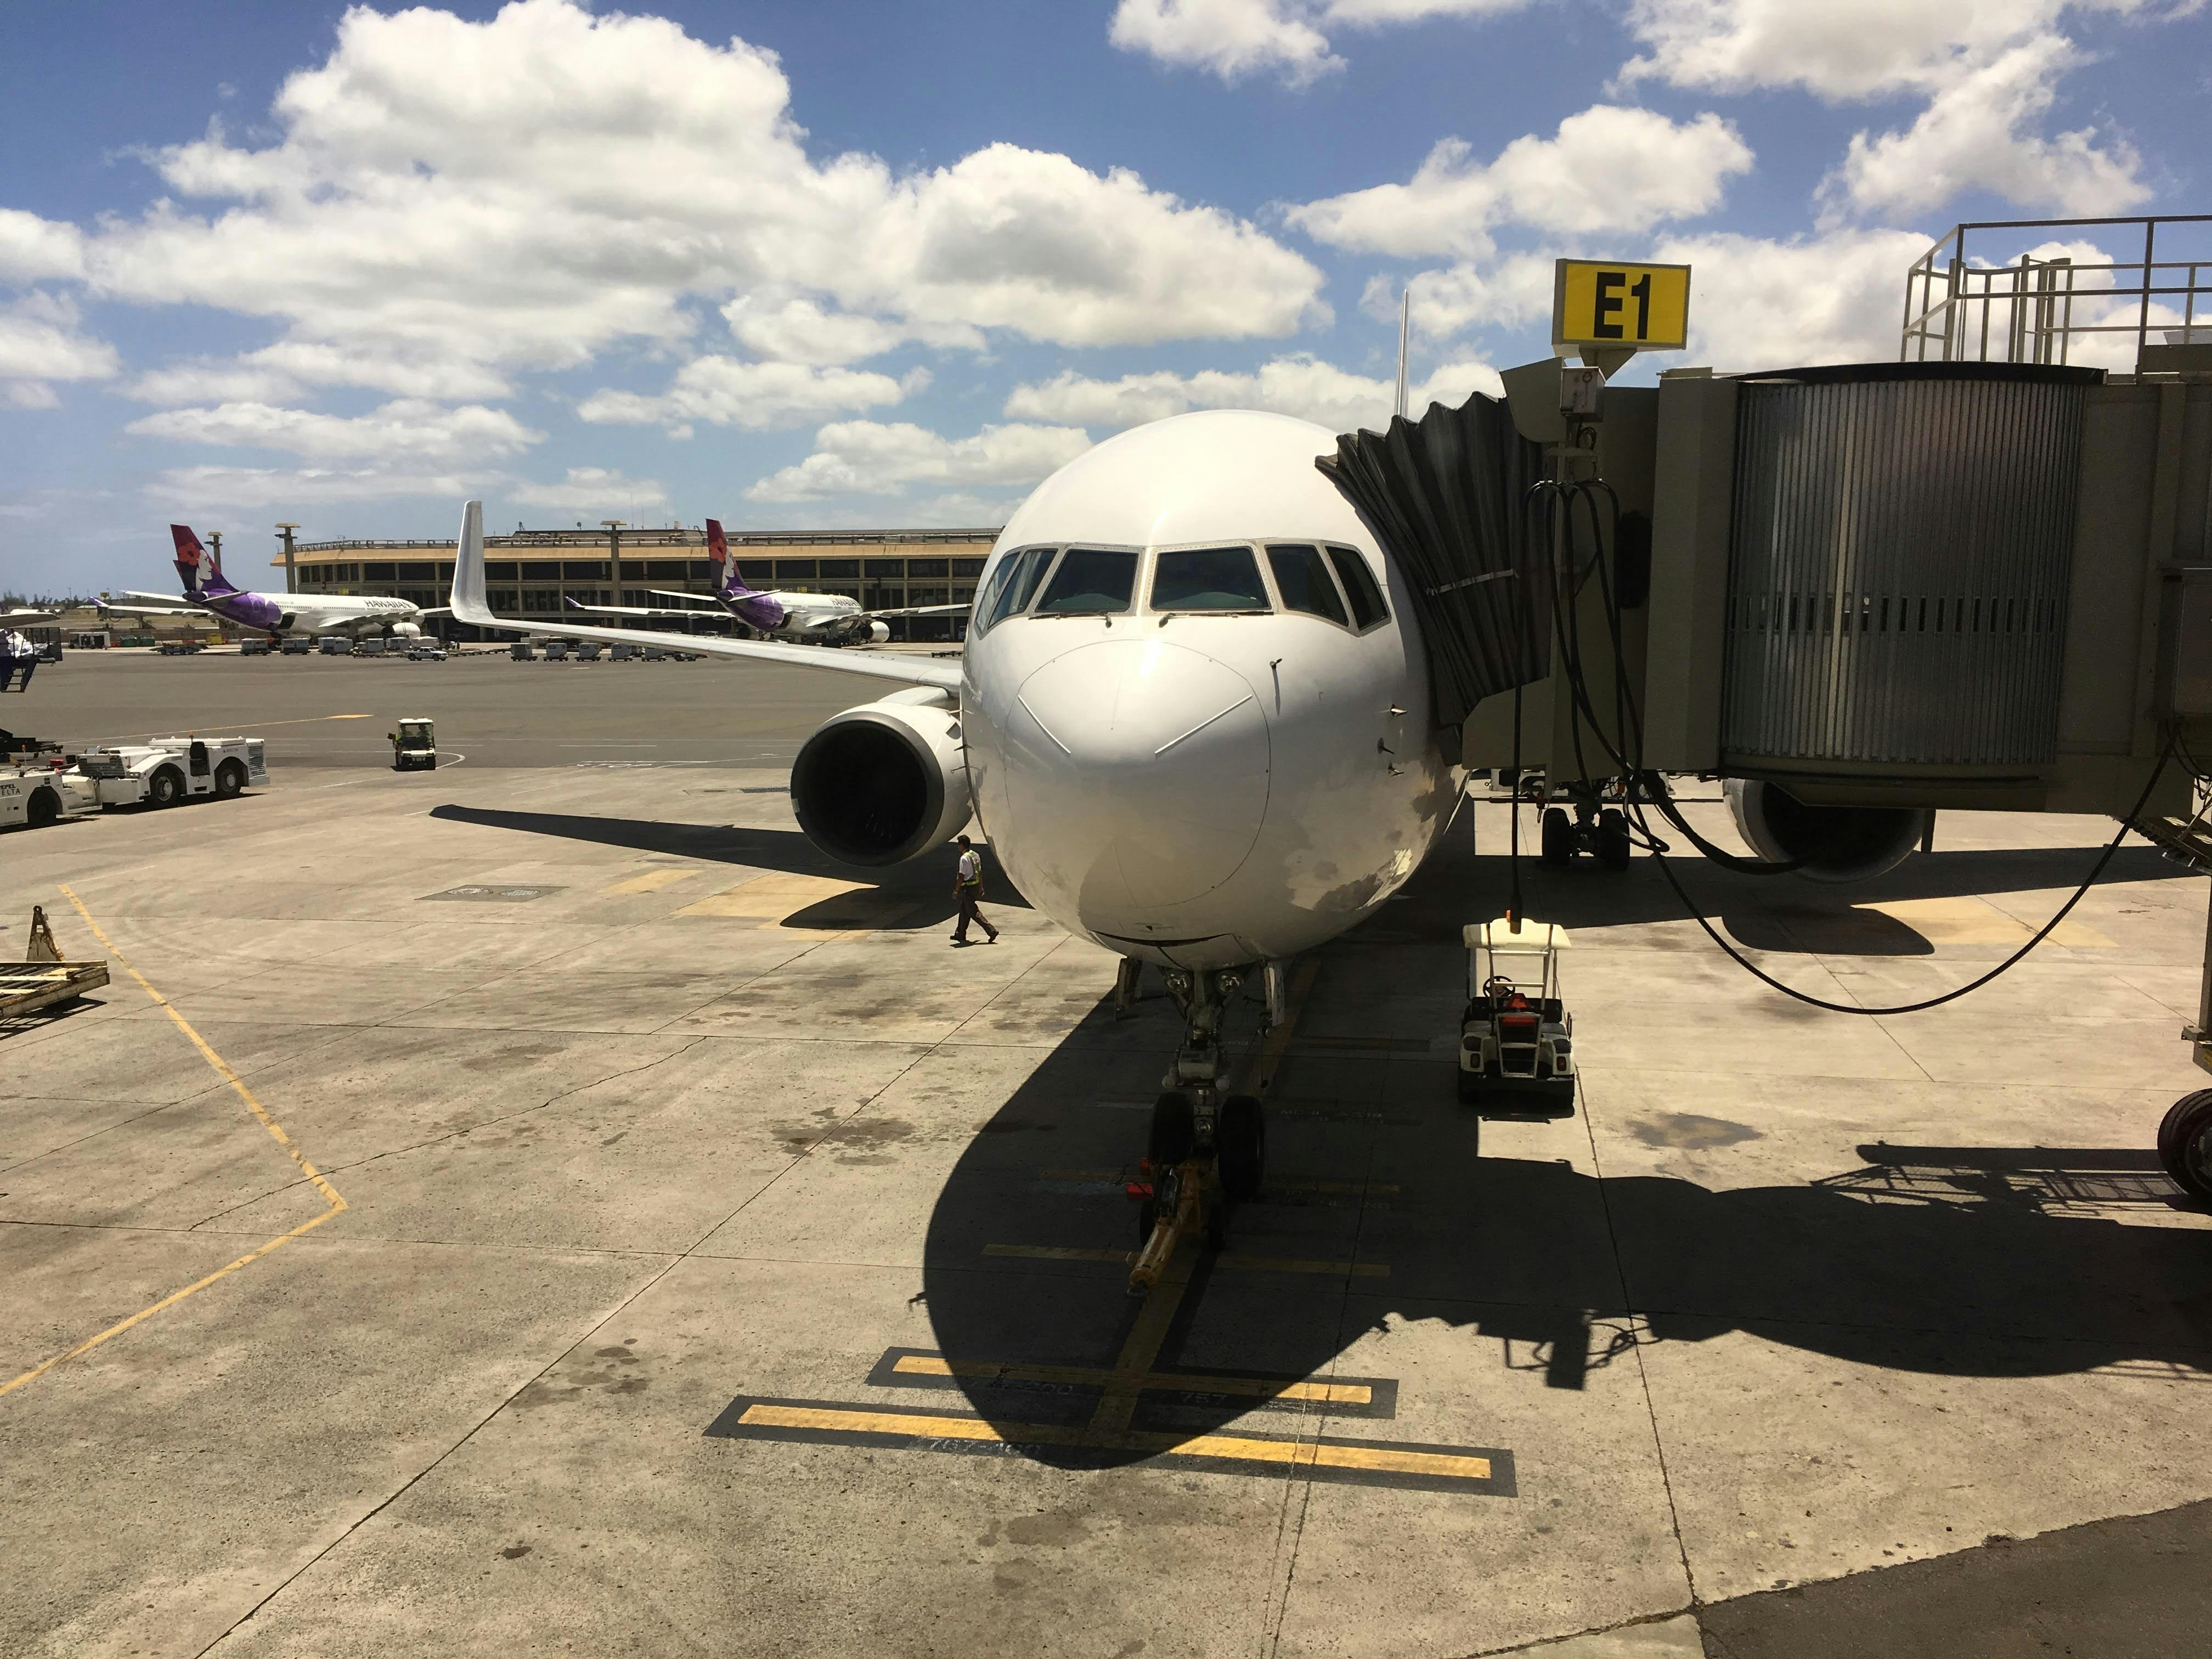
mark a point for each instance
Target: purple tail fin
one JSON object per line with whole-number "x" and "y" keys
{"x": 729, "y": 583}
{"x": 195, "y": 568}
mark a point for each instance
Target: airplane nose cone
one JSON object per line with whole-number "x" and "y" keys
{"x": 1150, "y": 761}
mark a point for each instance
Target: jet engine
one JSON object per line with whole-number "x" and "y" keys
{"x": 878, "y": 784}
{"x": 878, "y": 633}
{"x": 1827, "y": 843}
{"x": 407, "y": 630}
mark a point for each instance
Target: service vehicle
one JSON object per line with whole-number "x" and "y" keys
{"x": 164, "y": 771}
{"x": 556, "y": 650}
{"x": 36, "y": 793}
{"x": 334, "y": 644}
{"x": 1517, "y": 1039}
{"x": 414, "y": 746}
{"x": 254, "y": 647}
{"x": 520, "y": 651}
{"x": 426, "y": 651}
{"x": 587, "y": 650}
{"x": 372, "y": 646}
{"x": 297, "y": 644}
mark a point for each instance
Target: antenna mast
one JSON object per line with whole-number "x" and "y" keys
{"x": 1405, "y": 329}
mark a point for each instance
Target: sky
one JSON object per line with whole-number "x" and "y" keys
{"x": 874, "y": 263}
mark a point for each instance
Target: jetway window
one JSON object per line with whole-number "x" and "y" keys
{"x": 1090, "y": 581}
{"x": 1303, "y": 578}
{"x": 1219, "y": 578}
{"x": 1367, "y": 606}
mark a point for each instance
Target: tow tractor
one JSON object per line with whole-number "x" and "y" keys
{"x": 164, "y": 771}
{"x": 1517, "y": 1039}
{"x": 414, "y": 746}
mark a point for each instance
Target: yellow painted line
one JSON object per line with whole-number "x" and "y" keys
{"x": 1289, "y": 1454}
{"x": 305, "y": 720}
{"x": 222, "y": 1069}
{"x": 1335, "y": 1393}
{"x": 651, "y": 881}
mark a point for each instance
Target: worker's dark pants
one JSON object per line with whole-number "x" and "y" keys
{"x": 969, "y": 913}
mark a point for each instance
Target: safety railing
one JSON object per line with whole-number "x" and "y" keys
{"x": 2062, "y": 308}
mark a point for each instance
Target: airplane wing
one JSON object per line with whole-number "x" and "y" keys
{"x": 469, "y": 606}
{"x": 31, "y": 616}
{"x": 152, "y": 610}
{"x": 169, "y": 600}
{"x": 922, "y": 610}
{"x": 695, "y": 610}
{"x": 640, "y": 610}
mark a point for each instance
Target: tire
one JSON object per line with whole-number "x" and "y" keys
{"x": 1613, "y": 844}
{"x": 2184, "y": 1144}
{"x": 166, "y": 787}
{"x": 1174, "y": 1135}
{"x": 1470, "y": 1088}
{"x": 229, "y": 780}
{"x": 45, "y": 807}
{"x": 1240, "y": 1140}
{"x": 1558, "y": 836}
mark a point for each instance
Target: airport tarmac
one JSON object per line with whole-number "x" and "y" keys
{"x": 545, "y": 1205}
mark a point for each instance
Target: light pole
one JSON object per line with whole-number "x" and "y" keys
{"x": 614, "y": 554}
{"x": 291, "y": 576}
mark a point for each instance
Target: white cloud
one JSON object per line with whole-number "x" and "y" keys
{"x": 870, "y": 458}
{"x": 1842, "y": 49}
{"x": 799, "y": 330}
{"x": 289, "y": 370}
{"x": 1509, "y": 292}
{"x": 523, "y": 192}
{"x": 1760, "y": 304}
{"x": 1234, "y": 38}
{"x": 405, "y": 429}
{"x": 39, "y": 344}
{"x": 187, "y": 487}
{"x": 1607, "y": 169}
{"x": 1299, "y": 386}
{"x": 754, "y": 396}
{"x": 590, "y": 488}
{"x": 1980, "y": 132}
{"x": 32, "y": 249}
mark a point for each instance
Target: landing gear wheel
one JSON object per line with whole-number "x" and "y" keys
{"x": 1240, "y": 1140}
{"x": 229, "y": 780}
{"x": 44, "y": 809}
{"x": 2184, "y": 1144}
{"x": 1174, "y": 1137}
{"x": 1558, "y": 836}
{"x": 1613, "y": 847}
{"x": 166, "y": 787}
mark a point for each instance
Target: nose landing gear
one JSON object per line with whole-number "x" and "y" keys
{"x": 1207, "y": 1151}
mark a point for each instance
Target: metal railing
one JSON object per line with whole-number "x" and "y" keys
{"x": 2056, "y": 310}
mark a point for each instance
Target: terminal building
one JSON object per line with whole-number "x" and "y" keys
{"x": 538, "y": 572}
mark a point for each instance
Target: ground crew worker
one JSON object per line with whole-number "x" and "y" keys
{"x": 967, "y": 887}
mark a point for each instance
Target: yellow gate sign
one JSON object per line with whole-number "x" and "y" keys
{"x": 1600, "y": 303}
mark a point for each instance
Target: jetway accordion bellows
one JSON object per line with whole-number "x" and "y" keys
{"x": 1902, "y": 545}
{"x": 1446, "y": 497}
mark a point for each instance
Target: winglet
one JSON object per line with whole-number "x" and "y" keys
{"x": 468, "y": 601}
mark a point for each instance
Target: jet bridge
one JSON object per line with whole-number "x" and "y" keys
{"x": 1977, "y": 577}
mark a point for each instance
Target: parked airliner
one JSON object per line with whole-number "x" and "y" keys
{"x": 802, "y": 618}
{"x": 207, "y": 589}
{"x": 1193, "y": 718}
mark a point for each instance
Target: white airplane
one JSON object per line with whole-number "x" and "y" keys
{"x": 802, "y": 618}
{"x": 1193, "y": 717}
{"x": 206, "y": 589}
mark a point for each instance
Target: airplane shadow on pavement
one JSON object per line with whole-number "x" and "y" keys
{"x": 922, "y": 889}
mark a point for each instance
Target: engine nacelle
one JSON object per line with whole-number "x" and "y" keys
{"x": 407, "y": 630}
{"x": 1836, "y": 843}
{"x": 879, "y": 633}
{"x": 880, "y": 783}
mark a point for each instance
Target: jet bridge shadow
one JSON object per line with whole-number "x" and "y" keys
{"x": 1380, "y": 1208}
{"x": 921, "y": 889}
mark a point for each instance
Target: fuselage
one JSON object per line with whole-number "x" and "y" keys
{"x": 1190, "y": 787}
{"x": 296, "y": 613}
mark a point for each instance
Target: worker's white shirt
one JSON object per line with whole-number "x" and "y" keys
{"x": 971, "y": 867}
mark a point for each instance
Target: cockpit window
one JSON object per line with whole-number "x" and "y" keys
{"x": 1090, "y": 581}
{"x": 1303, "y": 581}
{"x": 1014, "y": 582}
{"x": 1208, "y": 578}
{"x": 1367, "y": 606}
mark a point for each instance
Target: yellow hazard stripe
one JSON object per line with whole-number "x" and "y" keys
{"x": 1334, "y": 1394}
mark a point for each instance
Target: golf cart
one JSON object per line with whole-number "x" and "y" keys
{"x": 1516, "y": 1048}
{"x": 414, "y": 745}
